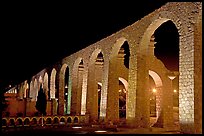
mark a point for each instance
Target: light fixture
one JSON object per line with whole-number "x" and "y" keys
{"x": 66, "y": 86}
{"x": 154, "y": 90}
{"x": 100, "y": 131}
{"x": 175, "y": 91}
{"x": 76, "y": 127}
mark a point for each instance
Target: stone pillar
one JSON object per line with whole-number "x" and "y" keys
{"x": 74, "y": 91}
{"x": 198, "y": 75}
{"x": 79, "y": 91}
{"x": 54, "y": 106}
{"x": 158, "y": 101}
{"x": 84, "y": 92}
{"x": 168, "y": 120}
{"x": 61, "y": 93}
{"x": 112, "y": 111}
{"x": 131, "y": 94}
{"x": 28, "y": 107}
{"x": 21, "y": 91}
{"x": 186, "y": 84}
{"x": 92, "y": 94}
{"x": 142, "y": 92}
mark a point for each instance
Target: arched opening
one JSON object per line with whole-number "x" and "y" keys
{"x": 146, "y": 43}
{"x": 35, "y": 89}
{"x": 99, "y": 98}
{"x": 45, "y": 84}
{"x": 61, "y": 90}
{"x": 77, "y": 81}
{"x": 152, "y": 89}
{"x": 95, "y": 74}
{"x": 122, "y": 69}
{"x": 53, "y": 83}
{"x": 155, "y": 88}
{"x": 122, "y": 101}
{"x": 167, "y": 50}
{"x": 66, "y": 88}
{"x": 167, "y": 45}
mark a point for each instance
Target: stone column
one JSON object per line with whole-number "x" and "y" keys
{"x": 158, "y": 101}
{"x": 53, "y": 106}
{"x": 79, "y": 90}
{"x": 84, "y": 91}
{"x": 131, "y": 94}
{"x": 74, "y": 89}
{"x": 112, "y": 111}
{"x": 92, "y": 94}
{"x": 142, "y": 91}
{"x": 61, "y": 94}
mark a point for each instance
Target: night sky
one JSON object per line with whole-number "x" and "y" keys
{"x": 37, "y": 35}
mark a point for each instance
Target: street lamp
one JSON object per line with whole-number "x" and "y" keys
{"x": 172, "y": 77}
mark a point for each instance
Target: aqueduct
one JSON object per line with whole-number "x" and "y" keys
{"x": 73, "y": 84}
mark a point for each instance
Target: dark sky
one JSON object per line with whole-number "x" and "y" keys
{"x": 37, "y": 35}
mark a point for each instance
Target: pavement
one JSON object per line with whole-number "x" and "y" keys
{"x": 64, "y": 130}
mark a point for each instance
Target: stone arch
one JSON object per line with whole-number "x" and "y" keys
{"x": 184, "y": 23}
{"x": 11, "y": 122}
{"x": 45, "y": 84}
{"x": 69, "y": 120}
{"x": 77, "y": 80}
{"x": 53, "y": 83}
{"x": 110, "y": 83}
{"x": 158, "y": 84}
{"x": 48, "y": 121}
{"x": 96, "y": 63}
{"x": 19, "y": 121}
{"x": 4, "y": 122}
{"x": 34, "y": 121}
{"x": 125, "y": 83}
{"x": 55, "y": 121}
{"x": 25, "y": 89}
{"x": 116, "y": 47}
{"x": 26, "y": 121}
{"x": 35, "y": 87}
{"x": 61, "y": 89}
{"x": 156, "y": 78}
{"x": 31, "y": 94}
{"x": 122, "y": 97}
{"x": 40, "y": 81}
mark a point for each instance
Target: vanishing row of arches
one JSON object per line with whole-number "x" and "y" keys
{"x": 78, "y": 93}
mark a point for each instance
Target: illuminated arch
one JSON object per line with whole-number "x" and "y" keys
{"x": 45, "y": 84}
{"x": 156, "y": 78}
{"x": 61, "y": 88}
{"x": 117, "y": 46}
{"x": 125, "y": 83}
{"x": 77, "y": 95}
{"x": 35, "y": 89}
{"x": 52, "y": 83}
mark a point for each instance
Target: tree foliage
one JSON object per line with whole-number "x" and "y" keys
{"x": 41, "y": 102}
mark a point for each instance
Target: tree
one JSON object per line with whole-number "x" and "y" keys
{"x": 41, "y": 102}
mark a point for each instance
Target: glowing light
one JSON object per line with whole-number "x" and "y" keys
{"x": 100, "y": 131}
{"x": 66, "y": 86}
{"x": 154, "y": 90}
{"x": 120, "y": 90}
{"x": 175, "y": 91}
{"x": 76, "y": 127}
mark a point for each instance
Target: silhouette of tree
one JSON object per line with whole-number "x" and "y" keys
{"x": 41, "y": 102}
